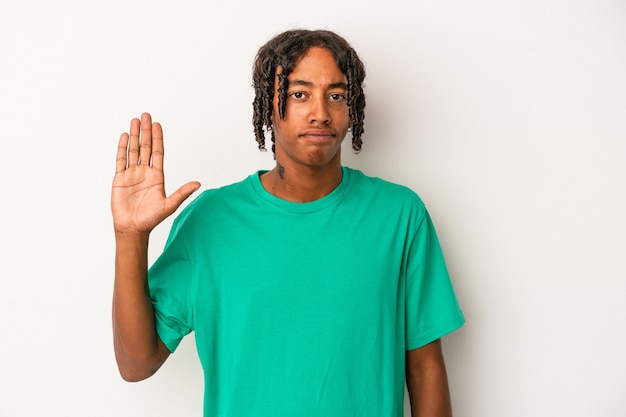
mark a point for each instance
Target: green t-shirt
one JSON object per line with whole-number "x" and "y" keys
{"x": 304, "y": 309}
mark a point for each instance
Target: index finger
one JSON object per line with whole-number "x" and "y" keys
{"x": 157, "y": 146}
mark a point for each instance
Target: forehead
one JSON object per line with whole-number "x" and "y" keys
{"x": 317, "y": 65}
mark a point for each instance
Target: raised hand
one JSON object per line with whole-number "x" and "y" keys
{"x": 138, "y": 199}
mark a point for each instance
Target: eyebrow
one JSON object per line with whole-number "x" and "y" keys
{"x": 310, "y": 84}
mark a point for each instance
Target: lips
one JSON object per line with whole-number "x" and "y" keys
{"x": 318, "y": 134}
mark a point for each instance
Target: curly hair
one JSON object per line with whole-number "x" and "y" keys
{"x": 285, "y": 50}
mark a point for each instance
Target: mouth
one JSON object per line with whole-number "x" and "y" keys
{"x": 318, "y": 135}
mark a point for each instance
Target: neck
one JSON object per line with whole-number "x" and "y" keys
{"x": 302, "y": 184}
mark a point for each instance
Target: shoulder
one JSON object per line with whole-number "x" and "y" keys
{"x": 378, "y": 188}
{"x": 215, "y": 200}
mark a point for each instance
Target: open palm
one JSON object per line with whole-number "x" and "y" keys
{"x": 138, "y": 199}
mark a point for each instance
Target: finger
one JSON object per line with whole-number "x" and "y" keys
{"x": 146, "y": 139}
{"x": 176, "y": 199}
{"x": 133, "y": 145}
{"x": 157, "y": 146}
{"x": 122, "y": 148}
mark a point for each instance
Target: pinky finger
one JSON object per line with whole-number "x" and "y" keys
{"x": 122, "y": 149}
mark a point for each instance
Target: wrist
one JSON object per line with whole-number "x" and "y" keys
{"x": 131, "y": 236}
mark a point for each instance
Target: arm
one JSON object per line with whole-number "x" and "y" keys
{"x": 138, "y": 350}
{"x": 427, "y": 382}
{"x": 138, "y": 204}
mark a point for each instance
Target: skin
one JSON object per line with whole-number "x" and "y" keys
{"x": 138, "y": 204}
{"x": 308, "y": 167}
{"x": 427, "y": 381}
{"x": 308, "y": 139}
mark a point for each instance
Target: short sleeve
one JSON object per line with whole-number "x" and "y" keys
{"x": 169, "y": 283}
{"x": 432, "y": 309}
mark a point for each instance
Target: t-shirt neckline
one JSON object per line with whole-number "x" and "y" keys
{"x": 328, "y": 200}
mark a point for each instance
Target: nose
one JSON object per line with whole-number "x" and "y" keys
{"x": 319, "y": 113}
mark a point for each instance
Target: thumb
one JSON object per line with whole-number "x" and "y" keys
{"x": 176, "y": 199}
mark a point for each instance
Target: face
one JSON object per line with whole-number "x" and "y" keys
{"x": 316, "y": 113}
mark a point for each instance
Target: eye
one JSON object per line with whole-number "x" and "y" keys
{"x": 337, "y": 96}
{"x": 298, "y": 95}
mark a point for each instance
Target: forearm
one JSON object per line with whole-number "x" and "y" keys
{"x": 427, "y": 382}
{"x": 138, "y": 350}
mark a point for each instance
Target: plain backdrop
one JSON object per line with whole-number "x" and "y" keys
{"x": 507, "y": 117}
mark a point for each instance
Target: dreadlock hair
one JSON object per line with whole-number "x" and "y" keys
{"x": 286, "y": 50}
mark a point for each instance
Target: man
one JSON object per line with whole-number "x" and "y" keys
{"x": 312, "y": 289}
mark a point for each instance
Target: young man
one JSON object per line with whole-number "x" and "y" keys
{"x": 312, "y": 289}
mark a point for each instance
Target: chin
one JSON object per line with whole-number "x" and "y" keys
{"x": 319, "y": 158}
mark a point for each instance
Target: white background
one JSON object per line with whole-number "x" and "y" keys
{"x": 507, "y": 117}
